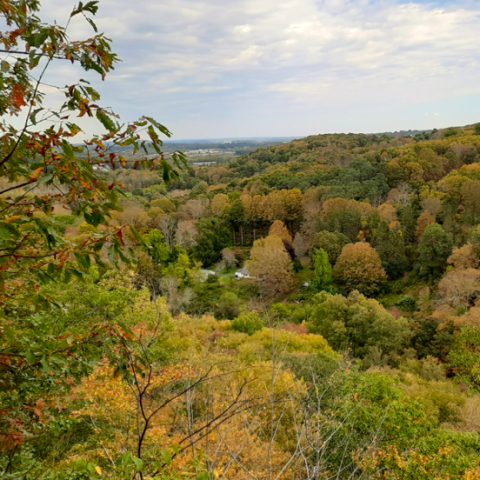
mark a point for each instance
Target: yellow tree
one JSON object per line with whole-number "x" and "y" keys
{"x": 278, "y": 229}
{"x": 359, "y": 268}
{"x": 271, "y": 265}
{"x": 219, "y": 202}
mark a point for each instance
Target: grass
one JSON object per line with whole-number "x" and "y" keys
{"x": 226, "y": 280}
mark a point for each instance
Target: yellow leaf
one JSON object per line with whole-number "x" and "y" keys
{"x": 98, "y": 470}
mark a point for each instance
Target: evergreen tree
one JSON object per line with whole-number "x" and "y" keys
{"x": 322, "y": 277}
{"x": 213, "y": 238}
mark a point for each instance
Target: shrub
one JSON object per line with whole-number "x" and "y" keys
{"x": 228, "y": 305}
{"x": 248, "y": 323}
{"x": 408, "y": 303}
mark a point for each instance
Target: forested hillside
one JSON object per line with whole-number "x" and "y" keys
{"x": 304, "y": 311}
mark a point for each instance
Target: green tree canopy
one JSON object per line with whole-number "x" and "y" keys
{"x": 322, "y": 273}
{"x": 435, "y": 248}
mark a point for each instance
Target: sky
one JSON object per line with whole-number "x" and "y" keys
{"x": 257, "y": 68}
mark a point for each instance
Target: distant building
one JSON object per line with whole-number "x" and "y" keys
{"x": 101, "y": 168}
{"x": 242, "y": 274}
{"x": 204, "y": 274}
{"x": 203, "y": 164}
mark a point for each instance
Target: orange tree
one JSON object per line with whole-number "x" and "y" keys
{"x": 44, "y": 167}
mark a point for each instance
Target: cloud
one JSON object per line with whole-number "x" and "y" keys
{"x": 340, "y": 64}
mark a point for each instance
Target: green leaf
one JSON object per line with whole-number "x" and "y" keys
{"x": 106, "y": 121}
{"x": 68, "y": 276}
{"x": 91, "y": 7}
{"x": 91, "y": 22}
{"x": 138, "y": 464}
{"x": 167, "y": 457}
{"x": 78, "y": 274}
{"x": 68, "y": 150}
{"x": 33, "y": 115}
{"x": 112, "y": 255}
{"x": 40, "y": 38}
{"x": 34, "y": 59}
{"x": 45, "y": 365}
{"x": 5, "y": 233}
{"x": 30, "y": 357}
{"x": 137, "y": 236}
{"x": 45, "y": 178}
{"x": 81, "y": 465}
{"x": 83, "y": 260}
{"x": 5, "y": 66}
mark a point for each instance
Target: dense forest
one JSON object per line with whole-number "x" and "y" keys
{"x": 304, "y": 311}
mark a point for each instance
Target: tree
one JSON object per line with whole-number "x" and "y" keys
{"x": 424, "y": 220}
{"x": 300, "y": 245}
{"x": 167, "y": 226}
{"x": 165, "y": 271}
{"x": 212, "y": 239}
{"x": 165, "y": 204}
{"x": 388, "y": 212}
{"x": 433, "y": 205}
{"x": 195, "y": 209}
{"x": 435, "y": 248}
{"x": 234, "y": 217}
{"x": 345, "y": 216}
{"x": 271, "y": 265}
{"x": 229, "y": 258}
{"x": 461, "y": 288}
{"x": 279, "y": 229}
{"x": 464, "y": 358}
{"x": 359, "y": 323}
{"x": 322, "y": 273}
{"x": 408, "y": 221}
{"x": 390, "y": 246}
{"x": 228, "y": 305}
{"x": 331, "y": 243}
{"x": 248, "y": 323}
{"x": 464, "y": 257}
{"x": 186, "y": 234}
{"x": 359, "y": 268}
{"x": 219, "y": 202}
{"x": 471, "y": 200}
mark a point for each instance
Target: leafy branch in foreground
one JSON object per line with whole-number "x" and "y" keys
{"x": 43, "y": 170}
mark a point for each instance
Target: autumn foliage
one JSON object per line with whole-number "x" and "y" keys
{"x": 359, "y": 268}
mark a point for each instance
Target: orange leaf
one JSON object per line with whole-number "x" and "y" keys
{"x": 36, "y": 174}
{"x": 17, "y": 97}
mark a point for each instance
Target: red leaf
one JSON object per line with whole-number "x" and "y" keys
{"x": 120, "y": 236}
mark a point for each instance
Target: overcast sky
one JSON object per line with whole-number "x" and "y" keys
{"x": 243, "y": 68}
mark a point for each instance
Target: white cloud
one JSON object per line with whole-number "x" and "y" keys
{"x": 240, "y": 63}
